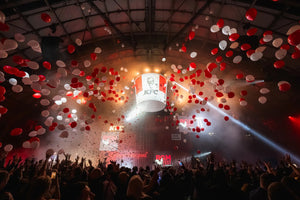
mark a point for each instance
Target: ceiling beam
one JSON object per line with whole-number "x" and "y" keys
{"x": 188, "y": 24}
{"x": 58, "y": 20}
{"x": 86, "y": 20}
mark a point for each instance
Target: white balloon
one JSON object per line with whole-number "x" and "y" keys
{"x": 2, "y": 77}
{"x": 223, "y": 44}
{"x": 9, "y": 45}
{"x": 78, "y": 42}
{"x": 3, "y": 54}
{"x": 264, "y": 90}
{"x": 36, "y": 86}
{"x": 60, "y": 63}
{"x": 32, "y": 134}
{"x": 76, "y": 72}
{"x": 17, "y": 88}
{"x": 87, "y": 63}
{"x": 277, "y": 42}
{"x": 37, "y": 49}
{"x": 232, "y": 30}
{"x": 26, "y": 145}
{"x": 62, "y": 72}
{"x": 256, "y": 56}
{"x": 262, "y": 99}
{"x": 243, "y": 103}
{"x": 280, "y": 54}
{"x": 193, "y": 54}
{"x": 234, "y": 45}
{"x": 33, "y": 65}
{"x": 250, "y": 78}
{"x": 34, "y": 78}
{"x": 267, "y": 38}
{"x": 97, "y": 50}
{"x": 55, "y": 107}
{"x": 237, "y": 59}
{"x": 26, "y": 81}
{"x": 8, "y": 147}
{"x": 35, "y": 144}
{"x": 41, "y": 131}
{"x": 13, "y": 81}
{"x": 226, "y": 30}
{"x": 293, "y": 29}
{"x": 45, "y": 92}
{"x": 44, "y": 102}
{"x": 45, "y": 113}
{"x": 56, "y": 97}
{"x": 214, "y": 28}
{"x": 19, "y": 37}
{"x": 260, "y": 49}
{"x": 2, "y": 17}
{"x": 33, "y": 44}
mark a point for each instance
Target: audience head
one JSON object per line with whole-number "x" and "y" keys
{"x": 265, "y": 180}
{"x": 4, "y": 177}
{"x": 277, "y": 191}
{"x": 40, "y": 186}
{"x": 135, "y": 187}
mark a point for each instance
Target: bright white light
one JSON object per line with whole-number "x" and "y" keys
{"x": 78, "y": 101}
{"x": 247, "y": 128}
{"x": 147, "y": 70}
{"x": 163, "y": 59}
{"x": 133, "y": 114}
{"x": 58, "y": 102}
{"x": 64, "y": 100}
{"x": 76, "y": 93}
{"x": 203, "y": 154}
{"x": 157, "y": 70}
{"x": 59, "y": 117}
{"x": 74, "y": 111}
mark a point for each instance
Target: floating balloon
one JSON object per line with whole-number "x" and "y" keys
{"x": 214, "y": 51}
{"x": 250, "y": 78}
{"x": 256, "y": 56}
{"x": 33, "y": 44}
{"x": 267, "y": 38}
{"x": 243, "y": 103}
{"x": 223, "y": 44}
{"x": 45, "y": 113}
{"x": 226, "y": 30}
{"x": 234, "y": 45}
{"x": 8, "y": 147}
{"x": 245, "y": 47}
{"x": 277, "y": 42}
{"x": 220, "y": 23}
{"x": 45, "y": 17}
{"x": 45, "y": 102}
{"x": 3, "y": 54}
{"x": 251, "y": 31}
{"x": 284, "y": 86}
{"x": 47, "y": 65}
{"x": 34, "y": 78}
{"x": 294, "y": 38}
{"x": 280, "y": 54}
{"x": 71, "y": 49}
{"x": 262, "y": 99}
{"x": 2, "y": 17}
{"x": 60, "y": 63}
{"x": 293, "y": 29}
{"x": 17, "y": 88}
{"x": 237, "y": 59}
{"x": 233, "y": 37}
{"x": 191, "y": 35}
{"x": 78, "y": 42}
{"x": 214, "y": 28}
{"x": 264, "y": 90}
{"x": 260, "y": 49}
{"x": 19, "y": 37}
{"x": 33, "y": 65}
{"x": 16, "y": 132}
{"x": 193, "y": 54}
{"x": 26, "y": 145}
{"x": 232, "y": 31}
{"x": 251, "y": 14}
{"x": 279, "y": 64}
{"x": 9, "y": 45}
{"x": 13, "y": 81}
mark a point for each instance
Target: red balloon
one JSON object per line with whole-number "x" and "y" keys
{"x": 42, "y": 78}
{"x": 244, "y": 93}
{"x": 294, "y": 38}
{"x": 45, "y": 17}
{"x": 239, "y": 76}
{"x": 220, "y": 105}
{"x": 222, "y": 66}
{"x": 268, "y": 33}
{"x": 226, "y": 118}
{"x": 219, "y": 94}
{"x": 245, "y": 47}
{"x": 251, "y": 14}
{"x": 71, "y": 48}
{"x": 285, "y": 46}
{"x": 66, "y": 110}
{"x": 229, "y": 54}
{"x": 279, "y": 64}
{"x": 37, "y": 95}
{"x": 33, "y": 139}
{"x": 211, "y": 66}
{"x": 183, "y": 48}
{"x": 16, "y": 132}
{"x": 198, "y": 151}
{"x": 234, "y": 37}
{"x": 250, "y": 52}
{"x": 251, "y": 31}
{"x": 193, "y": 65}
{"x": 219, "y": 59}
{"x": 220, "y": 23}
{"x": 3, "y": 110}
{"x": 230, "y": 94}
{"x": 88, "y": 128}
{"x": 284, "y": 87}
{"x": 4, "y": 27}
{"x": 214, "y": 51}
{"x": 261, "y": 41}
{"x": 73, "y": 124}
{"x": 2, "y": 90}
{"x": 191, "y": 35}
{"x": 227, "y": 107}
{"x": 103, "y": 69}
{"x": 220, "y": 81}
{"x": 18, "y": 59}
{"x": 47, "y": 65}
{"x": 74, "y": 63}
{"x": 93, "y": 56}
{"x": 296, "y": 54}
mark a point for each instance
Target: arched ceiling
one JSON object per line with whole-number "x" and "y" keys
{"x": 136, "y": 34}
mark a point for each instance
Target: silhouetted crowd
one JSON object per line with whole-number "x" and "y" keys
{"x": 193, "y": 180}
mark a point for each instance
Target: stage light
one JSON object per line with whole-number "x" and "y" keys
{"x": 202, "y": 154}
{"x": 74, "y": 111}
{"x": 290, "y": 117}
{"x": 247, "y": 128}
{"x": 157, "y": 70}
{"x": 147, "y": 70}
{"x": 133, "y": 114}
{"x": 164, "y": 59}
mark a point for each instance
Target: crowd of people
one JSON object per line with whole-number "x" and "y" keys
{"x": 197, "y": 179}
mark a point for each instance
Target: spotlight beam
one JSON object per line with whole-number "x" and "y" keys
{"x": 247, "y": 128}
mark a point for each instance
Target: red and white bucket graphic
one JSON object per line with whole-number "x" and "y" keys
{"x": 151, "y": 92}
